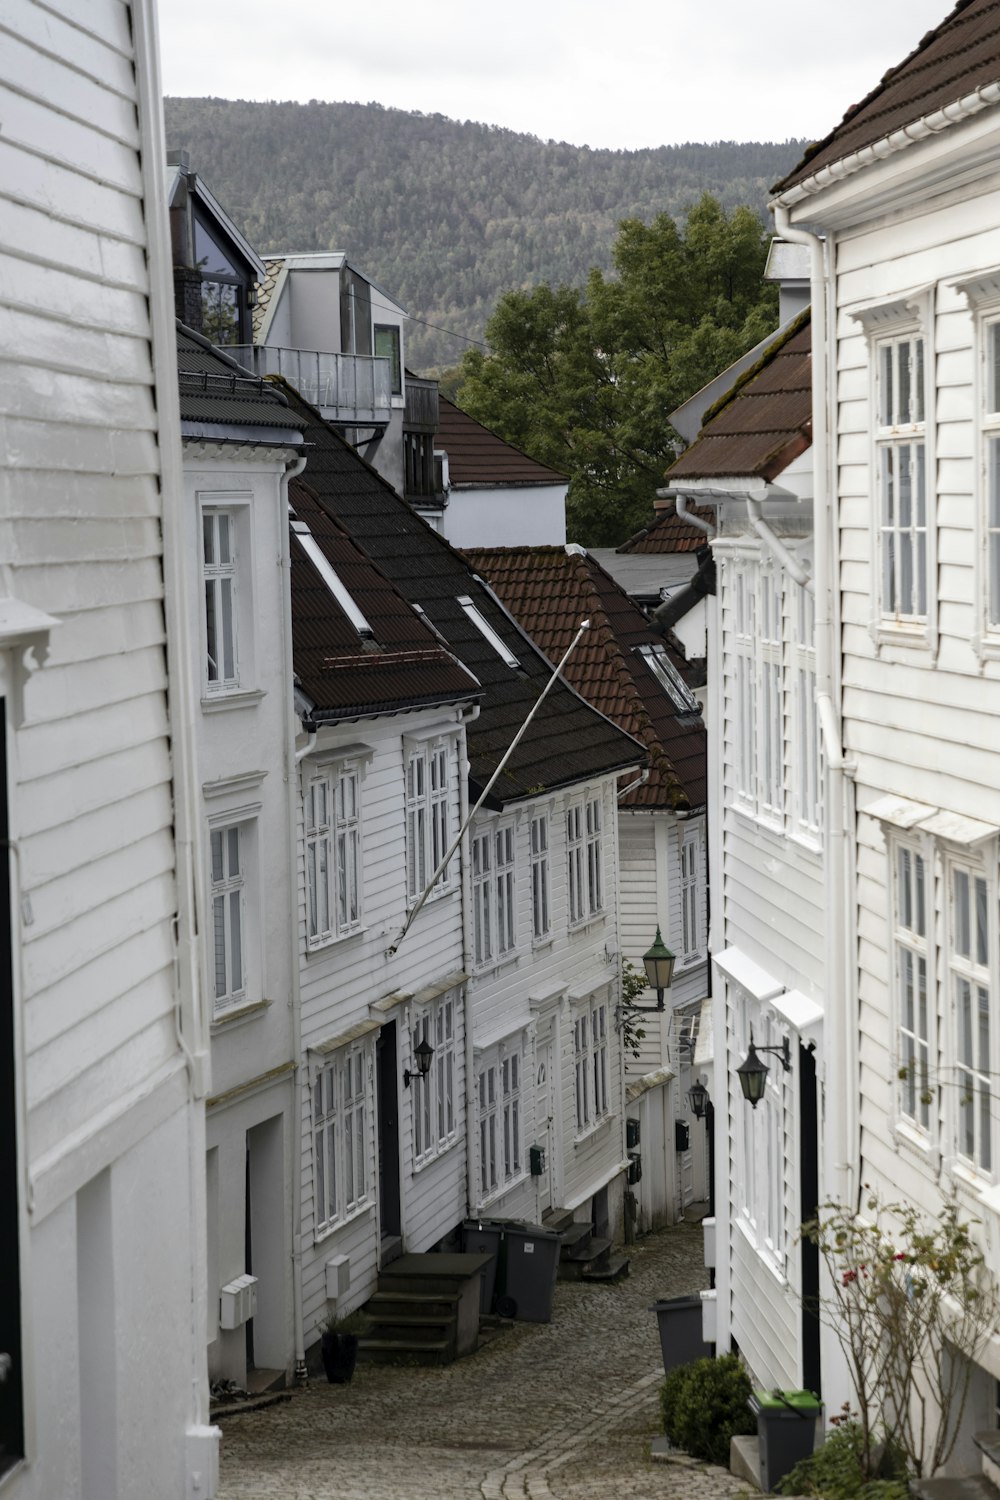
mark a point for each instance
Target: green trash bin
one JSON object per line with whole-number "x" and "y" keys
{"x": 786, "y": 1431}
{"x": 530, "y": 1261}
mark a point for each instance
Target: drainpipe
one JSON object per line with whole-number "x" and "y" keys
{"x": 292, "y": 469}
{"x": 840, "y": 1029}
{"x": 465, "y": 877}
{"x": 680, "y": 503}
{"x": 777, "y": 548}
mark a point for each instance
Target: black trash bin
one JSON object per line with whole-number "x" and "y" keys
{"x": 530, "y": 1260}
{"x": 680, "y": 1330}
{"x": 786, "y": 1431}
{"x": 485, "y": 1237}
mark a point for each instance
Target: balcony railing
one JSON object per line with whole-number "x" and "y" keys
{"x": 352, "y": 389}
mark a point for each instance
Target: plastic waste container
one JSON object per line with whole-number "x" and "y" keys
{"x": 530, "y": 1264}
{"x": 680, "y": 1321}
{"x": 485, "y": 1237}
{"x": 786, "y": 1431}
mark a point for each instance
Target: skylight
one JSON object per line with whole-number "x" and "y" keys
{"x": 324, "y": 568}
{"x": 487, "y": 631}
{"x": 668, "y": 677}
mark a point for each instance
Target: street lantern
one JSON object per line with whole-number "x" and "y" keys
{"x": 659, "y": 966}
{"x": 423, "y": 1052}
{"x": 698, "y": 1100}
{"x": 752, "y": 1072}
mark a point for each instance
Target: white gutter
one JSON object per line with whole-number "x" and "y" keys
{"x": 888, "y": 145}
{"x": 777, "y": 548}
{"x": 292, "y": 471}
{"x": 842, "y": 1126}
{"x": 680, "y": 501}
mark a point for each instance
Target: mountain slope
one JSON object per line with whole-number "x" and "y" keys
{"x": 445, "y": 214}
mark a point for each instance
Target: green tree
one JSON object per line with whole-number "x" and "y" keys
{"x": 584, "y": 379}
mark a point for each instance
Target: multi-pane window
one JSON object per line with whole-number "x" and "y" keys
{"x": 969, "y": 963}
{"x": 333, "y": 855}
{"x": 434, "y": 1099}
{"x": 690, "y": 883}
{"x": 340, "y": 1159}
{"x": 220, "y": 563}
{"x": 991, "y": 440}
{"x": 901, "y": 476}
{"x": 760, "y": 1153}
{"x": 590, "y": 1057}
{"x": 585, "y": 859}
{"x": 494, "y": 916}
{"x": 228, "y": 916}
{"x": 808, "y": 782}
{"x": 540, "y": 924}
{"x": 744, "y": 613}
{"x": 510, "y": 1092}
{"x": 770, "y": 749}
{"x": 488, "y": 1111}
{"x": 498, "y": 1102}
{"x": 427, "y": 822}
{"x": 757, "y": 706}
{"x": 911, "y": 962}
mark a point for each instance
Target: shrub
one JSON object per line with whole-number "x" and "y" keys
{"x": 704, "y": 1404}
{"x": 836, "y": 1471}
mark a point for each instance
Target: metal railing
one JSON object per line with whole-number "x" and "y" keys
{"x": 355, "y": 389}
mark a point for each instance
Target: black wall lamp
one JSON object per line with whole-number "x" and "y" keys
{"x": 698, "y": 1100}
{"x": 752, "y": 1073}
{"x": 659, "y": 966}
{"x": 422, "y": 1052}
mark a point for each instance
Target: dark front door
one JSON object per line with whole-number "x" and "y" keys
{"x": 387, "y": 1104}
{"x": 809, "y": 1196}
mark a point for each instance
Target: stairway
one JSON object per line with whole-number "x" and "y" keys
{"x": 425, "y": 1311}
{"x": 982, "y": 1486}
{"x": 582, "y": 1256}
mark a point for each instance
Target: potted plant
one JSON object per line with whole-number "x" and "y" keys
{"x": 339, "y": 1346}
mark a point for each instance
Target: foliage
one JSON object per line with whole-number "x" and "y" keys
{"x": 631, "y": 1030}
{"x": 912, "y": 1309}
{"x": 446, "y": 215}
{"x": 836, "y": 1470}
{"x": 583, "y": 379}
{"x": 704, "y": 1404}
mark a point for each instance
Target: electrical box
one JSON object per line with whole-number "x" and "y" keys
{"x": 536, "y": 1160}
{"x": 238, "y": 1302}
{"x": 634, "y": 1169}
{"x": 338, "y": 1277}
{"x": 682, "y": 1135}
{"x": 633, "y": 1134}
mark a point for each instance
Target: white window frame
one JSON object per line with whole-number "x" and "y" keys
{"x": 493, "y": 856}
{"x": 333, "y": 853}
{"x": 760, "y": 1135}
{"x": 807, "y": 749}
{"x": 541, "y": 891}
{"x": 912, "y": 963}
{"x": 756, "y": 597}
{"x": 237, "y": 509}
{"x": 575, "y": 867}
{"x": 243, "y": 889}
{"x": 500, "y": 1098}
{"x": 982, "y": 295}
{"x": 585, "y": 874}
{"x": 740, "y": 573}
{"x": 591, "y": 1064}
{"x": 341, "y": 1112}
{"x": 427, "y": 768}
{"x": 971, "y": 969}
{"x": 434, "y": 1100}
{"x": 691, "y": 880}
{"x": 887, "y": 326}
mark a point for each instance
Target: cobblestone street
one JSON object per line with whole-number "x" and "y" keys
{"x": 559, "y": 1411}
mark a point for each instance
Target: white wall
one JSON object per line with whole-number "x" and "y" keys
{"x": 507, "y": 515}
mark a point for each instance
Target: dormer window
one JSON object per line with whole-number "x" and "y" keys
{"x": 224, "y": 289}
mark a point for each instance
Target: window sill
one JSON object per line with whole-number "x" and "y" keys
{"x": 493, "y": 971}
{"x": 448, "y": 890}
{"x": 501, "y": 1192}
{"x": 323, "y": 945}
{"x": 539, "y": 944}
{"x": 766, "y": 822}
{"x": 912, "y": 1138}
{"x": 915, "y": 637}
{"x": 812, "y": 843}
{"x": 237, "y": 1015}
{"x": 217, "y": 703}
{"x": 327, "y": 1231}
{"x": 773, "y": 1263}
{"x": 603, "y": 1126}
{"x": 428, "y": 1159}
{"x": 598, "y": 918}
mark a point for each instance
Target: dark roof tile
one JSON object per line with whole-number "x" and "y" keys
{"x": 478, "y": 459}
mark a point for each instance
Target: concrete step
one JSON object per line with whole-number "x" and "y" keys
{"x": 557, "y": 1219}
{"x": 572, "y": 1238}
{"x": 588, "y": 1255}
{"x": 424, "y": 1304}
{"x": 976, "y": 1487}
{"x": 406, "y": 1351}
{"x": 612, "y": 1268}
{"x": 403, "y": 1326}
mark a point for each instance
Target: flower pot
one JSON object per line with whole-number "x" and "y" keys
{"x": 340, "y": 1355}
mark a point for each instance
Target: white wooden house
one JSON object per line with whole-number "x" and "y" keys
{"x": 103, "y": 1033}
{"x": 906, "y": 305}
{"x": 625, "y": 670}
{"x": 240, "y": 443}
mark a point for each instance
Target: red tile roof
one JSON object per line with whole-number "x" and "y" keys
{"x": 953, "y": 60}
{"x": 763, "y": 422}
{"x": 670, "y": 533}
{"x": 478, "y": 459}
{"x": 549, "y": 590}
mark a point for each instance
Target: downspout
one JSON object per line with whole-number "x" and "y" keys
{"x": 685, "y": 515}
{"x": 841, "y": 1128}
{"x": 777, "y": 548}
{"x": 465, "y": 877}
{"x": 292, "y": 470}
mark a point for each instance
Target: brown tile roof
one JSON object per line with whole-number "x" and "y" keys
{"x": 957, "y": 57}
{"x": 403, "y": 665}
{"x": 763, "y": 422}
{"x": 478, "y": 459}
{"x": 549, "y": 590}
{"x": 670, "y": 533}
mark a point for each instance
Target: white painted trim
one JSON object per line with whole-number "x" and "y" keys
{"x": 748, "y": 975}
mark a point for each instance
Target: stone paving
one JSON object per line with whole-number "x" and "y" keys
{"x": 557, "y": 1411}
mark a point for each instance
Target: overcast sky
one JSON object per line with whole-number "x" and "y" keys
{"x": 631, "y": 73}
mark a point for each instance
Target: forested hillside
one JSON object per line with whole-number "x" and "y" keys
{"x": 446, "y": 215}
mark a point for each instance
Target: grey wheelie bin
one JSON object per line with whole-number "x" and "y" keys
{"x": 786, "y": 1431}
{"x": 485, "y": 1237}
{"x": 679, "y": 1320}
{"x": 530, "y": 1264}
